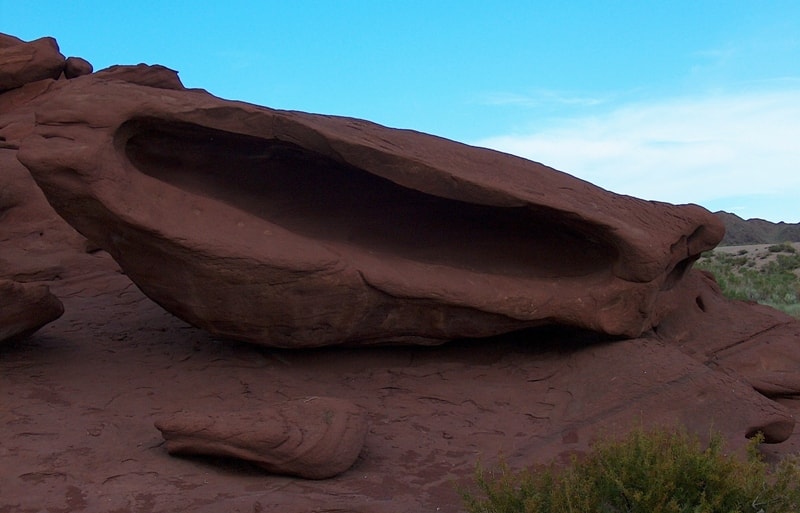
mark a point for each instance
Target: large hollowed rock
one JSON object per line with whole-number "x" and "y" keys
{"x": 313, "y": 437}
{"x": 297, "y": 230}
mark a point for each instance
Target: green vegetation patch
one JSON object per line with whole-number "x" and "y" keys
{"x": 659, "y": 471}
{"x": 775, "y": 282}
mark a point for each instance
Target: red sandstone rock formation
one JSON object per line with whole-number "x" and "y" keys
{"x": 80, "y": 394}
{"x": 299, "y": 230}
{"x": 313, "y": 437}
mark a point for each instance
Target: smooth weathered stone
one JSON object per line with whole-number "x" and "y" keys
{"x": 25, "y": 308}
{"x": 313, "y": 437}
{"x": 76, "y": 67}
{"x": 156, "y": 76}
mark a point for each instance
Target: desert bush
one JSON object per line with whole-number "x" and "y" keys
{"x": 784, "y": 263}
{"x": 784, "y": 247}
{"x": 776, "y": 283}
{"x": 793, "y": 310}
{"x": 659, "y": 471}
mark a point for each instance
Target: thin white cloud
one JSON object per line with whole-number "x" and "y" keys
{"x": 683, "y": 150}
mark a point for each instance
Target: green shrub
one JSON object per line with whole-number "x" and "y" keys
{"x": 784, "y": 263}
{"x": 783, "y": 247}
{"x": 776, "y": 283}
{"x": 648, "y": 472}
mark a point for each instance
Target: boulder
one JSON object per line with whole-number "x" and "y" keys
{"x": 76, "y": 67}
{"x": 25, "y": 308}
{"x": 313, "y": 437}
{"x": 21, "y": 62}
{"x": 294, "y": 230}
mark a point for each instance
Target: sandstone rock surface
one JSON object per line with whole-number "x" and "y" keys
{"x": 77, "y": 422}
{"x": 77, "y": 67}
{"x": 21, "y": 62}
{"x": 25, "y": 308}
{"x": 312, "y": 437}
{"x": 297, "y": 230}
{"x": 156, "y": 76}
{"x": 35, "y": 243}
{"x": 757, "y": 344}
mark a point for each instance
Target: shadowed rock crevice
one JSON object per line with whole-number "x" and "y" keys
{"x": 323, "y": 198}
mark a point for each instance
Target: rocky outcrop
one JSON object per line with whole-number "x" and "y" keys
{"x": 313, "y": 437}
{"x": 25, "y": 62}
{"x": 35, "y": 243}
{"x": 21, "y": 62}
{"x": 25, "y": 308}
{"x": 298, "y": 230}
{"x": 156, "y": 76}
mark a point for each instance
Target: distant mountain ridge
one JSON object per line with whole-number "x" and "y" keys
{"x": 741, "y": 232}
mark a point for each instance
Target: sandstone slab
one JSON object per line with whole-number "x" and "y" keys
{"x": 756, "y": 343}
{"x": 78, "y": 408}
{"x": 312, "y": 437}
{"x": 298, "y": 230}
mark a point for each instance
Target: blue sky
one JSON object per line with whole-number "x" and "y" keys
{"x": 679, "y": 101}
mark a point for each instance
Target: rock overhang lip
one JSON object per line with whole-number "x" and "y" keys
{"x": 344, "y": 139}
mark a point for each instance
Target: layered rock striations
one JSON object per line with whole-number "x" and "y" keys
{"x": 311, "y": 437}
